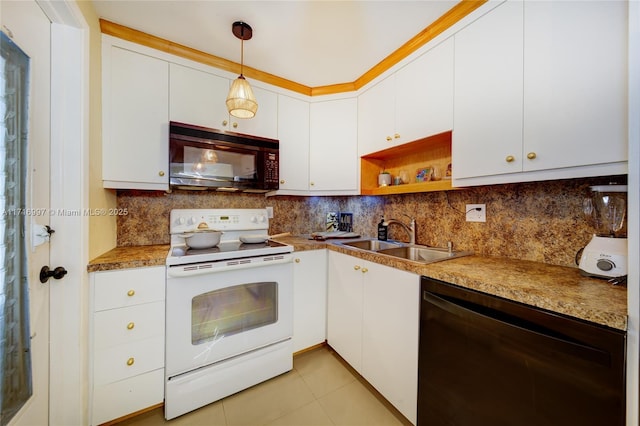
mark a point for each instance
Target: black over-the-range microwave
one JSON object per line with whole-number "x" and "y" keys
{"x": 204, "y": 158}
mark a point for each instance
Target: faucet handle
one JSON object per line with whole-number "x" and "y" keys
{"x": 411, "y": 218}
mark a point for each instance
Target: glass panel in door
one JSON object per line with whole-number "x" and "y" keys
{"x": 233, "y": 310}
{"x": 15, "y": 359}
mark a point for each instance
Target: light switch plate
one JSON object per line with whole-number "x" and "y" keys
{"x": 476, "y": 212}
{"x": 269, "y": 212}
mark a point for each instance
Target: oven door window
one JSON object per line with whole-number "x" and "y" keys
{"x": 232, "y": 310}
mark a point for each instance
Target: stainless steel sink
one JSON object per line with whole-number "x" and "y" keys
{"x": 372, "y": 245}
{"x": 413, "y": 252}
{"x": 423, "y": 254}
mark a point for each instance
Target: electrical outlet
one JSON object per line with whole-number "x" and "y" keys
{"x": 269, "y": 212}
{"x": 476, "y": 212}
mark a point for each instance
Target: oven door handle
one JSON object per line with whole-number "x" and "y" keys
{"x": 231, "y": 265}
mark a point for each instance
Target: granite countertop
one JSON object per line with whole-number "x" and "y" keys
{"x": 555, "y": 288}
{"x": 130, "y": 257}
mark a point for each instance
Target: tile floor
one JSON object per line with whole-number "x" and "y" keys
{"x": 320, "y": 390}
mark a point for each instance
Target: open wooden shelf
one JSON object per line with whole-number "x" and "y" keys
{"x": 441, "y": 185}
{"x": 433, "y": 151}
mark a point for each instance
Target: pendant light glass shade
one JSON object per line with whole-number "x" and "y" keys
{"x": 241, "y": 102}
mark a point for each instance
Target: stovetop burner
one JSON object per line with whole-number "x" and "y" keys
{"x": 233, "y": 223}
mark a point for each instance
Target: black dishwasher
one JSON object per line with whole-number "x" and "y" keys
{"x": 485, "y": 360}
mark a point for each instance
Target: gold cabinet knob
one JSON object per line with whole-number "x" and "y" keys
{"x": 130, "y": 361}
{"x": 131, "y": 293}
{"x": 297, "y": 260}
{"x": 130, "y": 326}
{"x": 389, "y": 138}
{"x": 510, "y": 159}
{"x": 225, "y": 122}
{"x": 365, "y": 270}
{"x": 531, "y": 156}
{"x": 312, "y": 184}
{"x": 357, "y": 267}
{"x": 281, "y": 181}
{"x": 397, "y": 136}
{"x": 235, "y": 125}
{"x": 160, "y": 173}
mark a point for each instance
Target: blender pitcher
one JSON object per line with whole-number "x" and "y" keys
{"x": 606, "y": 254}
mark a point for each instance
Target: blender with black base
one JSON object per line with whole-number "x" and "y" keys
{"x": 606, "y": 254}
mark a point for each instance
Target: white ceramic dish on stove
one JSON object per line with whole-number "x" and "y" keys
{"x": 202, "y": 238}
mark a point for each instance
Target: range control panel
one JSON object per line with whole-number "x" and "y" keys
{"x": 189, "y": 220}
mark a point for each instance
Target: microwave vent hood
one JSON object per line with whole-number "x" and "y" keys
{"x": 202, "y": 158}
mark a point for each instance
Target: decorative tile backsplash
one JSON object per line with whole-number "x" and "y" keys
{"x": 539, "y": 221}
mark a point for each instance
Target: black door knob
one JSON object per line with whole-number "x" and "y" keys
{"x": 46, "y": 273}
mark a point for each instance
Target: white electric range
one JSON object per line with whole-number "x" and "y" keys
{"x": 229, "y": 309}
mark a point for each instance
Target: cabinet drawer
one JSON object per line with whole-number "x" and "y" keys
{"x": 115, "y": 289}
{"x": 127, "y": 396}
{"x": 115, "y": 327}
{"x": 111, "y": 364}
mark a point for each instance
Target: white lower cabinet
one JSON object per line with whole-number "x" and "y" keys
{"x": 390, "y": 334}
{"x": 309, "y": 299}
{"x": 344, "y": 307}
{"x": 373, "y": 323}
{"x": 127, "y": 341}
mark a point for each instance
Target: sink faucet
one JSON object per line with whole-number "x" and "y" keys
{"x": 411, "y": 228}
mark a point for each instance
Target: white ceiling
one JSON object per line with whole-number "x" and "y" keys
{"x": 314, "y": 43}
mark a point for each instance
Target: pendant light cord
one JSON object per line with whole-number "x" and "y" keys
{"x": 242, "y": 52}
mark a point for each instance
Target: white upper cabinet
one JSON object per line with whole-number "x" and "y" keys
{"x": 575, "y": 83}
{"x": 487, "y": 129}
{"x": 293, "y": 131}
{"x": 198, "y": 97}
{"x": 424, "y": 94}
{"x": 265, "y": 122}
{"x": 376, "y": 117}
{"x": 539, "y": 94}
{"x": 135, "y": 120}
{"x": 333, "y": 152}
{"x": 413, "y": 103}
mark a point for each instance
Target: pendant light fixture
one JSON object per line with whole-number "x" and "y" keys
{"x": 241, "y": 102}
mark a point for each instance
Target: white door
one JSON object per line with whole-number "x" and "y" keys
{"x": 29, "y": 28}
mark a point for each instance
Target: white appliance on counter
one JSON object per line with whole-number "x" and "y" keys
{"x": 606, "y": 254}
{"x": 229, "y": 309}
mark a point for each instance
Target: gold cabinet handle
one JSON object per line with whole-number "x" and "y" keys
{"x": 389, "y": 138}
{"x": 160, "y": 173}
{"x": 130, "y": 361}
{"x": 131, "y": 293}
{"x": 282, "y": 181}
{"x": 357, "y": 267}
{"x": 130, "y": 326}
{"x": 510, "y": 159}
{"x": 225, "y": 122}
{"x": 312, "y": 184}
{"x": 365, "y": 270}
{"x": 531, "y": 156}
{"x": 235, "y": 125}
{"x": 297, "y": 260}
{"x": 396, "y": 136}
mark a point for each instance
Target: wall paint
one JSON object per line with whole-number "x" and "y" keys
{"x": 102, "y": 229}
{"x": 539, "y": 221}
